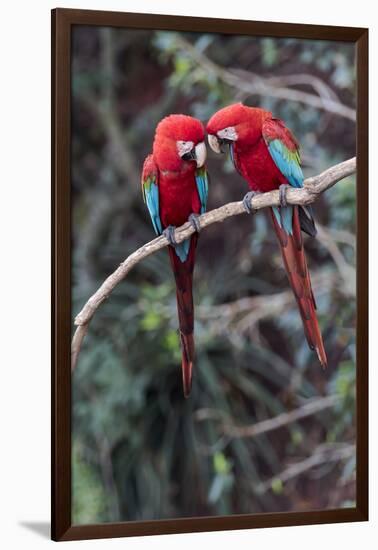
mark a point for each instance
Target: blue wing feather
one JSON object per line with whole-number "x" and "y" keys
{"x": 151, "y": 193}
{"x": 284, "y": 217}
{"x": 288, "y": 162}
{"x": 151, "y": 197}
{"x": 150, "y": 190}
{"x": 202, "y": 181}
{"x": 182, "y": 249}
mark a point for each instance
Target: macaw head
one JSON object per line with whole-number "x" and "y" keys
{"x": 179, "y": 143}
{"x": 235, "y": 124}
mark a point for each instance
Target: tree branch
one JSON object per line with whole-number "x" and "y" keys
{"x": 312, "y": 188}
{"x": 325, "y": 454}
{"x": 252, "y": 84}
{"x": 245, "y": 313}
{"x": 313, "y": 406}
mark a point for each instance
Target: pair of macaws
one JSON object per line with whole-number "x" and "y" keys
{"x": 175, "y": 189}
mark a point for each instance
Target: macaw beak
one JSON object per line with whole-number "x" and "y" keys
{"x": 214, "y": 143}
{"x": 200, "y": 154}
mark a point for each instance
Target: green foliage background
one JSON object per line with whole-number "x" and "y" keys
{"x": 140, "y": 450}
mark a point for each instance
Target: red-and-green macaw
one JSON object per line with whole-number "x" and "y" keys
{"x": 175, "y": 188}
{"x": 266, "y": 154}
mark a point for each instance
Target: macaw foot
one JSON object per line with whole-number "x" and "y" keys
{"x": 169, "y": 234}
{"x": 283, "y": 187}
{"x": 194, "y": 222}
{"x": 247, "y": 201}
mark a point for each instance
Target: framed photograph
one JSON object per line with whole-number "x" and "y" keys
{"x": 206, "y": 375}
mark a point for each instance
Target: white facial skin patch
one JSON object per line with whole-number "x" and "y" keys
{"x": 198, "y": 152}
{"x": 228, "y": 133}
{"x": 184, "y": 147}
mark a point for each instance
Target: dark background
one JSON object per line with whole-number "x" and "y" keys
{"x": 140, "y": 450}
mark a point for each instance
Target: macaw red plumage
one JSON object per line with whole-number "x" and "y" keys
{"x": 266, "y": 154}
{"x": 175, "y": 187}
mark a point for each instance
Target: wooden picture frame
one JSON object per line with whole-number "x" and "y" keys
{"x": 62, "y": 22}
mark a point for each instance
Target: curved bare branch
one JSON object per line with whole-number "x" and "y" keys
{"x": 279, "y": 87}
{"x": 312, "y": 188}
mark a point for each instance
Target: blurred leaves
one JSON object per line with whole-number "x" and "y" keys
{"x": 270, "y": 53}
{"x": 89, "y": 498}
{"x": 140, "y": 450}
{"x": 223, "y": 479}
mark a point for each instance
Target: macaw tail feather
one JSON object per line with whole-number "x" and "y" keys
{"x": 294, "y": 258}
{"x": 183, "y": 272}
{"x": 187, "y": 350}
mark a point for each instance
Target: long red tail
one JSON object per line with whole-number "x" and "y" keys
{"x": 299, "y": 277}
{"x": 183, "y": 272}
